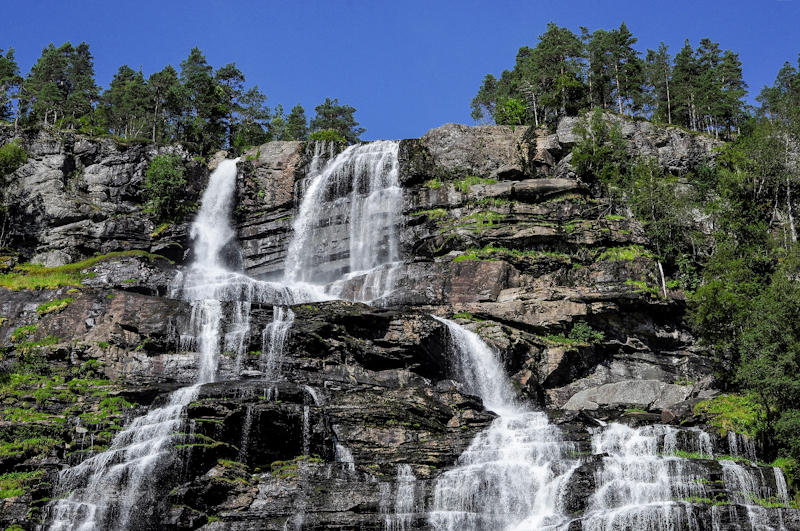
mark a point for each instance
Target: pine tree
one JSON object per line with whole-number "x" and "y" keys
{"x": 203, "y": 122}
{"x": 231, "y": 79}
{"x": 556, "y": 64}
{"x": 686, "y": 83}
{"x": 658, "y": 68}
{"x": 10, "y": 83}
{"x": 330, "y": 115}
{"x": 483, "y": 104}
{"x": 82, "y": 90}
{"x": 296, "y": 124}
{"x": 125, "y": 105}
{"x": 253, "y": 121}
{"x": 165, "y": 103}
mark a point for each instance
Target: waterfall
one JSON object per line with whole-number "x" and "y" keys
{"x": 273, "y": 341}
{"x": 639, "y": 484}
{"x": 513, "y": 473}
{"x": 106, "y": 489}
{"x": 345, "y": 230}
{"x": 400, "y": 517}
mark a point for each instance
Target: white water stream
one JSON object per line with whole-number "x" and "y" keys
{"x": 513, "y": 474}
{"x": 346, "y": 224}
{"x": 104, "y": 489}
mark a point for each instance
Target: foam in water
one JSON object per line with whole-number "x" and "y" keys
{"x": 346, "y": 225}
{"x": 407, "y": 505}
{"x": 106, "y": 488}
{"x": 513, "y": 474}
{"x": 639, "y": 485}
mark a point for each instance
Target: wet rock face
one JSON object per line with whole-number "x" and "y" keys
{"x": 363, "y": 398}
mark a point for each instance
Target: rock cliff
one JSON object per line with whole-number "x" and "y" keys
{"x": 497, "y": 233}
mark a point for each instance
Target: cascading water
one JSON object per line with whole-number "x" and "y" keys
{"x": 512, "y": 475}
{"x": 359, "y": 188}
{"x": 105, "y": 489}
{"x": 346, "y": 225}
{"x": 640, "y": 484}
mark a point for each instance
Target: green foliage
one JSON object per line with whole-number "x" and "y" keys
{"x": 23, "y": 331}
{"x": 296, "y": 124}
{"x": 17, "y": 483}
{"x": 327, "y": 135}
{"x": 583, "y": 333}
{"x": 599, "y": 155}
{"x": 564, "y": 74}
{"x": 463, "y": 185}
{"x": 580, "y": 334}
{"x": 731, "y": 412}
{"x": 10, "y": 83}
{"x": 330, "y": 115}
{"x": 54, "y": 306}
{"x": 434, "y": 184}
{"x": 164, "y": 186}
{"x": 435, "y": 213}
{"x": 510, "y": 111}
{"x": 33, "y": 447}
{"x": 491, "y": 252}
{"x": 33, "y": 276}
{"x": 12, "y": 156}
{"x": 60, "y": 88}
{"x": 628, "y": 252}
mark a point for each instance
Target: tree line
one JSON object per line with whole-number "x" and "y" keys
{"x": 698, "y": 88}
{"x": 195, "y": 104}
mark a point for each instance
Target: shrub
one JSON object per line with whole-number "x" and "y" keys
{"x": 327, "y": 135}
{"x": 12, "y": 156}
{"x": 54, "y": 306}
{"x": 164, "y": 186}
{"x": 731, "y": 413}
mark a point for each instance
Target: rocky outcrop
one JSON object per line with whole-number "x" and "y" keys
{"x": 77, "y": 196}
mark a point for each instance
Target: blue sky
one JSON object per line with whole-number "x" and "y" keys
{"x": 406, "y": 66}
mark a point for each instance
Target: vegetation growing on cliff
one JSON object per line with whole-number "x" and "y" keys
{"x": 727, "y": 233}
{"x": 35, "y": 276}
{"x": 164, "y": 187}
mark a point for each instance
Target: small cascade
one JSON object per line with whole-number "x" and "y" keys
{"x": 513, "y": 474}
{"x": 407, "y": 505}
{"x": 342, "y": 453}
{"x": 346, "y": 226}
{"x": 640, "y": 485}
{"x": 244, "y": 441}
{"x": 781, "y": 486}
{"x": 273, "y": 341}
{"x": 105, "y": 489}
{"x": 740, "y": 445}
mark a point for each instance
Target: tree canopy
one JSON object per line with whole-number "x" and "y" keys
{"x": 201, "y": 107}
{"x": 565, "y": 73}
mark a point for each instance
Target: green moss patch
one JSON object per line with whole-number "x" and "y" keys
{"x": 54, "y": 306}
{"x": 33, "y": 276}
{"x": 730, "y": 412}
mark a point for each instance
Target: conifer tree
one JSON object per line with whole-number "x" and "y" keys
{"x": 10, "y": 83}
{"x": 296, "y": 124}
{"x": 330, "y": 115}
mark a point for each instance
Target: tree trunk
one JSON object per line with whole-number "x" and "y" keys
{"x": 669, "y": 105}
{"x": 792, "y": 231}
{"x": 155, "y": 121}
{"x": 619, "y": 90}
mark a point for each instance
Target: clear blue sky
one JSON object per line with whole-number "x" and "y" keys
{"x": 407, "y": 66}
